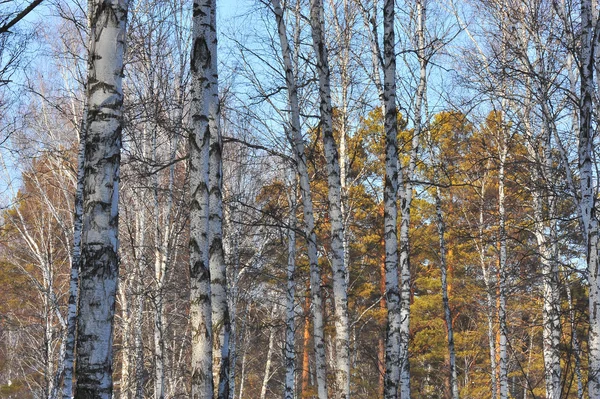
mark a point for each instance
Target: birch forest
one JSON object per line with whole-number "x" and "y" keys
{"x": 300, "y": 199}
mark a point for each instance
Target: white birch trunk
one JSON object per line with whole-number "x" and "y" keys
{"x": 502, "y": 272}
{"x": 575, "y": 344}
{"x": 99, "y": 244}
{"x": 394, "y": 317}
{"x": 160, "y": 264}
{"x": 545, "y": 233}
{"x": 205, "y": 118}
{"x": 489, "y": 297}
{"x": 124, "y": 295}
{"x": 290, "y": 308}
{"x": 340, "y": 287}
{"x": 297, "y": 143}
{"x": 218, "y": 276}
{"x": 588, "y": 190}
{"x": 406, "y": 192}
{"x": 67, "y": 387}
{"x": 267, "y": 375}
{"x": 138, "y": 299}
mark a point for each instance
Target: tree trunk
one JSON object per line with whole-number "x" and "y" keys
{"x": 394, "y": 317}
{"x": 502, "y": 271}
{"x": 218, "y": 276}
{"x": 99, "y": 244}
{"x": 587, "y": 187}
{"x": 489, "y": 296}
{"x": 67, "y": 389}
{"x": 340, "y": 287}
{"x": 441, "y": 225}
{"x": 267, "y": 375}
{"x": 138, "y": 290}
{"x": 305, "y": 352}
{"x": 290, "y": 328}
{"x": 205, "y": 120}
{"x": 297, "y": 143}
{"x": 575, "y": 344}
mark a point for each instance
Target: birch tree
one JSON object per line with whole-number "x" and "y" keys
{"x": 297, "y": 143}
{"x": 588, "y": 190}
{"x": 340, "y": 286}
{"x": 205, "y": 119}
{"x": 99, "y": 244}
{"x": 394, "y": 316}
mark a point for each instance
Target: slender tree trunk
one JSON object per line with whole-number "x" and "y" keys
{"x": 243, "y": 373}
{"x": 489, "y": 297}
{"x": 138, "y": 298}
{"x": 290, "y": 328}
{"x": 381, "y": 345}
{"x": 205, "y": 123}
{"x": 441, "y": 225}
{"x": 588, "y": 190}
{"x": 305, "y": 352}
{"x": 340, "y": 287}
{"x": 124, "y": 300}
{"x": 218, "y": 276}
{"x": 67, "y": 388}
{"x": 575, "y": 344}
{"x": 99, "y": 243}
{"x": 307, "y": 205}
{"x": 161, "y": 256}
{"x": 394, "y": 316}
{"x": 267, "y": 375}
{"x": 546, "y": 236}
{"x": 502, "y": 271}
{"x": 406, "y": 192}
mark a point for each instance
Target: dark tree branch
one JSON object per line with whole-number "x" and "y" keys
{"x": 5, "y": 28}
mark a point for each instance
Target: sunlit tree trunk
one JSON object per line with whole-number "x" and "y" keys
{"x": 487, "y": 278}
{"x": 297, "y": 142}
{"x": 218, "y": 276}
{"x": 546, "y": 236}
{"x": 588, "y": 189}
{"x": 67, "y": 388}
{"x": 394, "y": 316}
{"x": 205, "y": 119}
{"x": 441, "y": 226}
{"x": 268, "y": 363}
{"x": 502, "y": 267}
{"x": 290, "y": 308}
{"x": 340, "y": 287}
{"x": 99, "y": 244}
{"x": 406, "y": 195}
{"x": 575, "y": 343}
{"x": 138, "y": 292}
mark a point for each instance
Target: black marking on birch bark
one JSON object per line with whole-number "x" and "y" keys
{"x": 197, "y": 10}
{"x": 201, "y": 56}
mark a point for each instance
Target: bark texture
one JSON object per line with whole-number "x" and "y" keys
{"x": 590, "y": 221}
{"x": 204, "y": 118}
{"x": 340, "y": 286}
{"x": 99, "y": 243}
{"x": 394, "y": 320}
{"x": 297, "y": 143}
